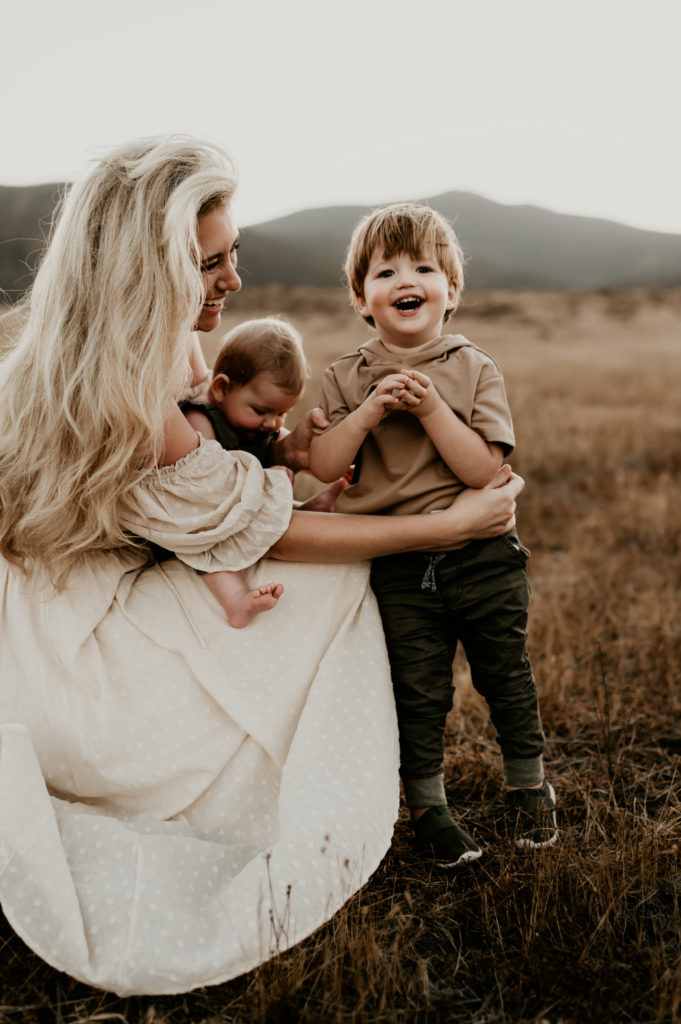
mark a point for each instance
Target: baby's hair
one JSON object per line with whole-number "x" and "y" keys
{"x": 403, "y": 227}
{"x": 269, "y": 345}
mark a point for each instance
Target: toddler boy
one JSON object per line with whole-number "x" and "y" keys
{"x": 423, "y": 415}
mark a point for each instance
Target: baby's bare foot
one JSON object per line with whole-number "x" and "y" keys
{"x": 249, "y": 603}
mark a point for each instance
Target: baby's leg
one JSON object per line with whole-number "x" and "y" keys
{"x": 241, "y": 604}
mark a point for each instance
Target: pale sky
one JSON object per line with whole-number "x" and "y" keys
{"x": 572, "y": 106}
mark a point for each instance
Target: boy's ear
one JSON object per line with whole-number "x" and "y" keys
{"x": 452, "y": 297}
{"x": 219, "y": 386}
{"x": 360, "y": 305}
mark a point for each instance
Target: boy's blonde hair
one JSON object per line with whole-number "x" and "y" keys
{"x": 269, "y": 345}
{"x": 102, "y": 353}
{"x": 403, "y": 227}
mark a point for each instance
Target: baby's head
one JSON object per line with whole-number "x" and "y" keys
{"x": 410, "y": 228}
{"x": 259, "y": 374}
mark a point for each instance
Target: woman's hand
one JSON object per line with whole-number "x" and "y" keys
{"x": 293, "y": 450}
{"x": 487, "y": 512}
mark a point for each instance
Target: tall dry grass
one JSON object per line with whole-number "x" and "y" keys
{"x": 590, "y": 930}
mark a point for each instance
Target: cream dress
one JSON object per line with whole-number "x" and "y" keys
{"x": 180, "y": 800}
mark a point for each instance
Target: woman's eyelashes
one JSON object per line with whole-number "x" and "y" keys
{"x": 214, "y": 262}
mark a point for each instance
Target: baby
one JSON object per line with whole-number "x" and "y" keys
{"x": 258, "y": 377}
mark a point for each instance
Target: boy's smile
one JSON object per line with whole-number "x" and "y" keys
{"x": 407, "y": 297}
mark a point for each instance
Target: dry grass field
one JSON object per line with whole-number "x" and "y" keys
{"x": 589, "y": 931}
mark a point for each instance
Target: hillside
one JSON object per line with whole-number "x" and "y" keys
{"x": 25, "y": 215}
{"x": 512, "y": 247}
{"x": 517, "y": 247}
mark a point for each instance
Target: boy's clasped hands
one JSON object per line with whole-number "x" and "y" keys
{"x": 407, "y": 391}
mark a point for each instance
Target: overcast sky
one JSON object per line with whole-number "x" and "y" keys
{"x": 573, "y": 106}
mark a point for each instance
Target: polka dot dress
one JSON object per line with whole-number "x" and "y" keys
{"x": 180, "y": 800}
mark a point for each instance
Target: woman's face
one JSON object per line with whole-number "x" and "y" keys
{"x": 218, "y": 241}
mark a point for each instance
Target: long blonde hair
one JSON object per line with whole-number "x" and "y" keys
{"x": 91, "y": 377}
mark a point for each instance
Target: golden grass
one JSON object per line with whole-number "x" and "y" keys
{"x": 588, "y": 931}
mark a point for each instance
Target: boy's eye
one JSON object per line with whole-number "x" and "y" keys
{"x": 425, "y": 269}
{"x": 385, "y": 273}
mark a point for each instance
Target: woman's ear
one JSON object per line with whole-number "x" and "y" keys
{"x": 219, "y": 386}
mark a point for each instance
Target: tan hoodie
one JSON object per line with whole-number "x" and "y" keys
{"x": 400, "y": 470}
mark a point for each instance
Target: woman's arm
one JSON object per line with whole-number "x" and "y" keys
{"x": 474, "y": 515}
{"x": 312, "y": 537}
{"x": 179, "y": 438}
{"x": 199, "y": 421}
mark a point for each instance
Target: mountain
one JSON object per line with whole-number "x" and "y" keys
{"x": 25, "y": 216}
{"x": 515, "y": 247}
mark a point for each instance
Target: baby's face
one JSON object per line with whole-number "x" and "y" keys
{"x": 260, "y": 406}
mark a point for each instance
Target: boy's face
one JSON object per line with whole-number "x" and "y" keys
{"x": 406, "y": 297}
{"x": 260, "y": 406}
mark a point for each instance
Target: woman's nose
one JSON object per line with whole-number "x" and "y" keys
{"x": 229, "y": 280}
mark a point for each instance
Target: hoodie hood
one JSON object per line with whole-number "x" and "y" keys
{"x": 376, "y": 355}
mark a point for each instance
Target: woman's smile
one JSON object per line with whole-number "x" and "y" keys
{"x": 218, "y": 239}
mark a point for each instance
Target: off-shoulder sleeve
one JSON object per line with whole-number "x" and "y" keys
{"x": 214, "y": 509}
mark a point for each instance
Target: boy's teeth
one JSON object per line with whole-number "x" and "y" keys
{"x": 407, "y": 304}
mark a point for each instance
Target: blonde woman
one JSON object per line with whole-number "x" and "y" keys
{"x": 178, "y": 800}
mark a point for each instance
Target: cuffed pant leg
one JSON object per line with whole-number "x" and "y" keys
{"x": 523, "y": 772}
{"x": 428, "y": 792}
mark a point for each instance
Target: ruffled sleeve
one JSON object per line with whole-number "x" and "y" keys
{"x": 214, "y": 509}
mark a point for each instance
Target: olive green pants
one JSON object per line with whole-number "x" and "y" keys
{"x": 429, "y": 601}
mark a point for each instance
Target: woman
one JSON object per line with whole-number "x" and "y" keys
{"x": 178, "y": 800}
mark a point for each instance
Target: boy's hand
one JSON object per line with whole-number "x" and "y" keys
{"x": 421, "y": 396}
{"x": 388, "y": 396}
